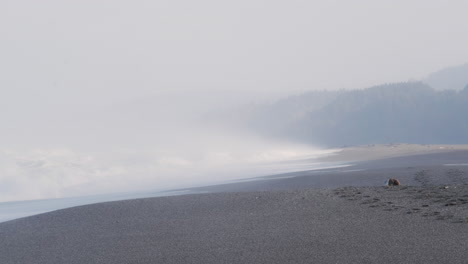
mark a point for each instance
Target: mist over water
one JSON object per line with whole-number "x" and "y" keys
{"x": 154, "y": 143}
{"x": 55, "y": 173}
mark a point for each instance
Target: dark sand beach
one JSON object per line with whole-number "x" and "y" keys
{"x": 342, "y": 215}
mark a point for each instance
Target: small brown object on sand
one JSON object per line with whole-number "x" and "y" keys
{"x": 393, "y": 182}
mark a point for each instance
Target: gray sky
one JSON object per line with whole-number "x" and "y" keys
{"x": 112, "y": 49}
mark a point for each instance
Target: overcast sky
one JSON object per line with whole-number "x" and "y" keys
{"x": 114, "y": 49}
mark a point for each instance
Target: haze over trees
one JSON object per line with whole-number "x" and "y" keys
{"x": 407, "y": 112}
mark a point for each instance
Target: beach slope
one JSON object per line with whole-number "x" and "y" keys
{"x": 346, "y": 225}
{"x": 330, "y": 216}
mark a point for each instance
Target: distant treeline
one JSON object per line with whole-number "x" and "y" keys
{"x": 409, "y": 112}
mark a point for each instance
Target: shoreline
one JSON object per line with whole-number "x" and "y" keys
{"x": 341, "y": 215}
{"x": 11, "y": 210}
{"x": 338, "y": 161}
{"x": 355, "y": 162}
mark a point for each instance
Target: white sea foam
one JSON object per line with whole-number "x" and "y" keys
{"x": 57, "y": 173}
{"x": 43, "y": 180}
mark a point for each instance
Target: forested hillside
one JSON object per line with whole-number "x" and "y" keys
{"x": 409, "y": 112}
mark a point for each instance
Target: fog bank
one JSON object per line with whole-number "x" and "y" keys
{"x": 151, "y": 143}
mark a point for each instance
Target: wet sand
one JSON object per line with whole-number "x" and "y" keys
{"x": 331, "y": 216}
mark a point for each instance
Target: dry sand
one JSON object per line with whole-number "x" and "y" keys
{"x": 330, "y": 216}
{"x": 383, "y": 151}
